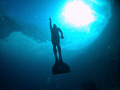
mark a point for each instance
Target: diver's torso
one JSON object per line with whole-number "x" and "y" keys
{"x": 55, "y": 33}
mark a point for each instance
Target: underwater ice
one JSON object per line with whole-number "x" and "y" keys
{"x": 75, "y": 36}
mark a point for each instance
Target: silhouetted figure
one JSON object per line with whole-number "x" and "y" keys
{"x": 59, "y": 67}
{"x": 55, "y": 38}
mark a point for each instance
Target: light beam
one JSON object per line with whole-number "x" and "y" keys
{"x": 77, "y": 13}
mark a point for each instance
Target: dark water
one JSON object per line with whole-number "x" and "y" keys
{"x": 96, "y": 68}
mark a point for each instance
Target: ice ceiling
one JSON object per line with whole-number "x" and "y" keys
{"x": 81, "y": 21}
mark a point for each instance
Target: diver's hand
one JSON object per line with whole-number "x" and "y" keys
{"x": 62, "y": 37}
{"x": 50, "y": 19}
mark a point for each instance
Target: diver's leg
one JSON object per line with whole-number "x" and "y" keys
{"x": 55, "y": 52}
{"x": 59, "y": 50}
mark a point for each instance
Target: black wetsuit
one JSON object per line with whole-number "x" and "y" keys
{"x": 55, "y": 38}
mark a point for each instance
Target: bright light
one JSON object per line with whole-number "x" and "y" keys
{"x": 78, "y": 13}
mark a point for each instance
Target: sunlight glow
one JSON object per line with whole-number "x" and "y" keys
{"x": 78, "y": 13}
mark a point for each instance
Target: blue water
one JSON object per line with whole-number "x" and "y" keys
{"x": 26, "y": 54}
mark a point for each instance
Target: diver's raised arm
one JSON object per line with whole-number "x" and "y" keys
{"x": 50, "y": 23}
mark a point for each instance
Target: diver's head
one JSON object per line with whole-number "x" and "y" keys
{"x": 54, "y": 26}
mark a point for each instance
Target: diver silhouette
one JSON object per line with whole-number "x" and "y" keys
{"x": 59, "y": 67}
{"x": 55, "y": 39}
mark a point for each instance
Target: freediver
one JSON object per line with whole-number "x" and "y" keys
{"x": 55, "y": 39}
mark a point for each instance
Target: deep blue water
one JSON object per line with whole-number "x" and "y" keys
{"x": 26, "y": 56}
